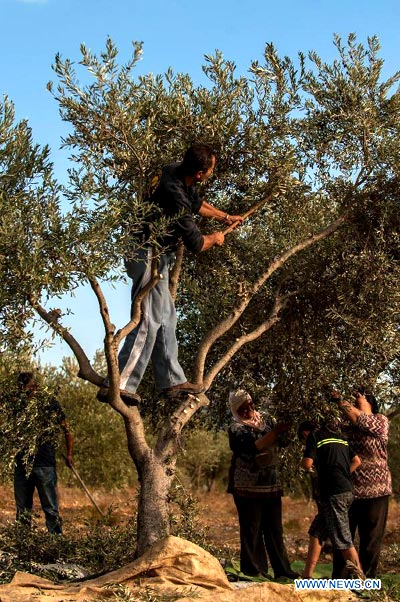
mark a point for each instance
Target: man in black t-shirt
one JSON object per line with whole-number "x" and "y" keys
{"x": 334, "y": 461}
{"x": 43, "y": 474}
{"x": 154, "y": 338}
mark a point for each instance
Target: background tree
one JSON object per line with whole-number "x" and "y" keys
{"x": 99, "y": 457}
{"x": 305, "y": 293}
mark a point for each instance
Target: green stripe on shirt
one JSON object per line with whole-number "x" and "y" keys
{"x": 331, "y": 440}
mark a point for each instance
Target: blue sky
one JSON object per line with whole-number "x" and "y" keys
{"x": 175, "y": 33}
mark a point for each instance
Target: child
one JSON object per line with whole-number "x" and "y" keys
{"x": 334, "y": 461}
{"x": 317, "y": 539}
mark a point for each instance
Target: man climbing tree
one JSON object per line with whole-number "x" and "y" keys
{"x": 155, "y": 337}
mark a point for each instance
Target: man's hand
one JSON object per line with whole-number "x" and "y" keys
{"x": 232, "y": 219}
{"x": 207, "y": 210}
{"x": 69, "y": 461}
{"x": 209, "y": 240}
{"x": 219, "y": 238}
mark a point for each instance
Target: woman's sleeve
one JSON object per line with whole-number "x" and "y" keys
{"x": 376, "y": 425}
{"x": 242, "y": 441}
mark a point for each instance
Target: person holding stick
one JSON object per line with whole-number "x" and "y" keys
{"x": 154, "y": 338}
{"x": 43, "y": 474}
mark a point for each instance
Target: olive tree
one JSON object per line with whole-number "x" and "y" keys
{"x": 312, "y": 145}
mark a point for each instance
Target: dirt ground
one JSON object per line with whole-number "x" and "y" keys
{"x": 221, "y": 519}
{"x": 217, "y": 514}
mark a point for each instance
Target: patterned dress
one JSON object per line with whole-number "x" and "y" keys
{"x": 372, "y": 484}
{"x": 252, "y": 474}
{"x": 369, "y": 438}
{"x": 256, "y": 488}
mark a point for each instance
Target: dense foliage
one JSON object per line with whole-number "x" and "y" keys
{"x": 303, "y": 295}
{"x": 323, "y": 139}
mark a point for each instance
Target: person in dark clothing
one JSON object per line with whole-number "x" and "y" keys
{"x": 256, "y": 488}
{"x": 317, "y": 538}
{"x": 334, "y": 461}
{"x": 154, "y": 338}
{"x": 368, "y": 434}
{"x": 43, "y": 474}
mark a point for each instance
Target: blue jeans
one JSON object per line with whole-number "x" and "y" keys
{"x": 154, "y": 338}
{"x": 44, "y": 479}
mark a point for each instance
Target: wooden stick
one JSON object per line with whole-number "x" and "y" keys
{"x": 249, "y": 212}
{"x": 86, "y": 490}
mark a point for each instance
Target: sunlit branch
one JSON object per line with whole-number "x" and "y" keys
{"x": 86, "y": 371}
{"x": 168, "y": 439}
{"x": 220, "y": 329}
{"x": 274, "y": 317}
{"x": 176, "y": 270}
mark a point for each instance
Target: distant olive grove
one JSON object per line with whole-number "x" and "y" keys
{"x": 102, "y": 459}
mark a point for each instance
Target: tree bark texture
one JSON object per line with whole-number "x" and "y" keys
{"x": 153, "y": 511}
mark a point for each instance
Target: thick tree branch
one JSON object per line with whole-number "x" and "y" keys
{"x": 134, "y": 427}
{"x": 168, "y": 440}
{"x": 274, "y": 317}
{"x": 135, "y": 433}
{"x": 220, "y": 329}
{"x": 176, "y": 270}
{"x": 105, "y": 314}
{"x": 110, "y": 348}
{"x": 136, "y": 310}
{"x": 86, "y": 371}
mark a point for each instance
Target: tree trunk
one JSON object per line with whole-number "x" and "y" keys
{"x": 153, "y": 515}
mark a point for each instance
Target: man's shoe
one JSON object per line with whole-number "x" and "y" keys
{"x": 291, "y": 575}
{"x": 183, "y": 389}
{"x": 128, "y": 397}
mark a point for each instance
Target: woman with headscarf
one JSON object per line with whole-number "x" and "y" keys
{"x": 256, "y": 488}
{"x": 368, "y": 435}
